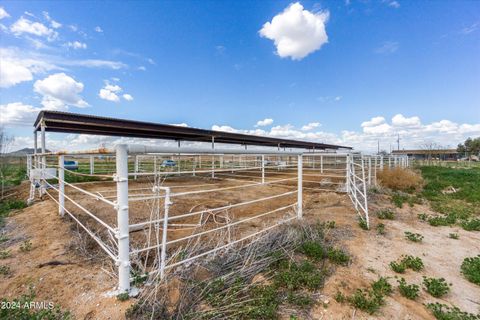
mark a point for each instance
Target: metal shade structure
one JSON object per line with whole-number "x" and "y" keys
{"x": 66, "y": 122}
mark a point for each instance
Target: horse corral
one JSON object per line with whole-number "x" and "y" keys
{"x": 149, "y": 204}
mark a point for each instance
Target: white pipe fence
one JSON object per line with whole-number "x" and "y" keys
{"x": 226, "y": 171}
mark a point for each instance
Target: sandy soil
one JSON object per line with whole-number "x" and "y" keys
{"x": 81, "y": 285}
{"x": 372, "y": 254}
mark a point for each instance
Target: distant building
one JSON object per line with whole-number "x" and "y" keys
{"x": 438, "y": 154}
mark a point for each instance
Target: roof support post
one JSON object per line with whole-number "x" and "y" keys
{"x": 123, "y": 259}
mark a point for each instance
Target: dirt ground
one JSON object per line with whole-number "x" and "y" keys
{"x": 81, "y": 286}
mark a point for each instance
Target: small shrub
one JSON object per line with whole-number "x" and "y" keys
{"x": 5, "y": 270}
{"x": 447, "y": 220}
{"x": 363, "y": 224}
{"x": 443, "y": 312}
{"x": 295, "y": 276}
{"x": 471, "y": 269}
{"x": 382, "y": 287}
{"x": 454, "y": 236}
{"x": 298, "y": 299}
{"x": 381, "y": 229}
{"x": 386, "y": 214}
{"x": 400, "y": 179}
{"x": 3, "y": 238}
{"x": 123, "y": 296}
{"x": 138, "y": 278}
{"x": 423, "y": 216}
{"x": 398, "y": 200}
{"x": 340, "y": 297}
{"x": 313, "y": 250}
{"x": 410, "y": 291}
{"x": 471, "y": 225}
{"x": 4, "y": 254}
{"x": 330, "y": 224}
{"x": 415, "y": 237}
{"x": 398, "y": 267}
{"x": 338, "y": 256}
{"x": 436, "y": 287}
{"x": 26, "y": 246}
{"x": 9, "y": 205}
{"x": 366, "y": 300}
{"x": 414, "y": 263}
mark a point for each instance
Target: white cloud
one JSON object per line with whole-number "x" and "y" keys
{"x": 183, "y": 124}
{"x": 98, "y": 29}
{"x": 111, "y": 92}
{"x": 375, "y": 121}
{"x": 59, "y": 90}
{"x": 142, "y": 68}
{"x": 108, "y": 95}
{"x": 19, "y": 65}
{"x": 127, "y": 97}
{"x": 14, "y": 69}
{"x": 76, "y": 45}
{"x": 264, "y": 122}
{"x": 54, "y": 24}
{"x": 338, "y": 98}
{"x": 400, "y": 121}
{"x": 470, "y": 29}
{"x": 24, "y": 25}
{"x": 311, "y": 126}
{"x": 3, "y": 13}
{"x": 17, "y": 114}
{"x": 393, "y": 4}
{"x": 94, "y": 63}
{"x": 387, "y": 47}
{"x": 12, "y": 74}
{"x": 297, "y": 32}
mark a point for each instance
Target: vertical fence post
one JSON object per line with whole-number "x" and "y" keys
{"x": 365, "y": 195}
{"x": 300, "y": 191}
{"x": 375, "y": 169}
{"x": 194, "y": 165}
{"x": 321, "y": 163}
{"x": 213, "y": 166}
{"x": 91, "y": 164}
{"x": 44, "y": 159}
{"x": 35, "y": 150}
{"x": 61, "y": 186}
{"x": 381, "y": 162}
{"x": 263, "y": 169}
{"x": 136, "y": 167}
{"x": 347, "y": 173}
{"x": 163, "y": 254}
{"x": 369, "y": 170}
{"x": 121, "y": 178}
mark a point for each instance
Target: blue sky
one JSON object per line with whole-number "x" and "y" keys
{"x": 350, "y": 72}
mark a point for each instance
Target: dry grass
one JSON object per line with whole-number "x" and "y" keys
{"x": 400, "y": 179}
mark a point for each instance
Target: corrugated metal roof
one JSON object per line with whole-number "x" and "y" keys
{"x": 66, "y": 122}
